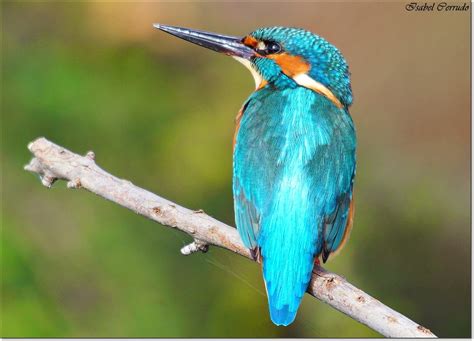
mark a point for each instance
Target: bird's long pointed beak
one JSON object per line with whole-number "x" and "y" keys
{"x": 228, "y": 45}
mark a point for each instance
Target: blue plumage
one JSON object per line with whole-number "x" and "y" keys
{"x": 294, "y": 155}
{"x": 290, "y": 168}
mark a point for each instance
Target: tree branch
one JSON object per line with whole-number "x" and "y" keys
{"x": 53, "y": 162}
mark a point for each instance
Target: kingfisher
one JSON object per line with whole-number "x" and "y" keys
{"x": 294, "y": 155}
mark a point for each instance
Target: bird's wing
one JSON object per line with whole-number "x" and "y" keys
{"x": 337, "y": 224}
{"x": 334, "y": 170}
{"x": 252, "y": 173}
{"x": 246, "y": 215}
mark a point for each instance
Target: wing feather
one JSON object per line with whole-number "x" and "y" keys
{"x": 247, "y": 217}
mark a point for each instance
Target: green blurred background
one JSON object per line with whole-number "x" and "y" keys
{"x": 160, "y": 112}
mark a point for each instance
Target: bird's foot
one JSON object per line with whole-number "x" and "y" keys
{"x": 256, "y": 255}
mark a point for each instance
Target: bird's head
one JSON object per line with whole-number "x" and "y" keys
{"x": 282, "y": 57}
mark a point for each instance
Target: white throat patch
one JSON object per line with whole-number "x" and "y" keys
{"x": 256, "y": 75}
{"x": 304, "y": 80}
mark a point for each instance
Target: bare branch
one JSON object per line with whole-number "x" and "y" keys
{"x": 53, "y": 162}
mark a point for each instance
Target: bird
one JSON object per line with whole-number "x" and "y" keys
{"x": 294, "y": 155}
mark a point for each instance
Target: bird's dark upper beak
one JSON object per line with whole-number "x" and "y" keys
{"x": 228, "y": 45}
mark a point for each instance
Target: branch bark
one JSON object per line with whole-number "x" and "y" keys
{"x": 53, "y": 162}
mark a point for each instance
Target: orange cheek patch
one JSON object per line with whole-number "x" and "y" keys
{"x": 291, "y": 65}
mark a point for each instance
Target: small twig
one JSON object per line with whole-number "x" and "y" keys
{"x": 193, "y": 247}
{"x": 53, "y": 162}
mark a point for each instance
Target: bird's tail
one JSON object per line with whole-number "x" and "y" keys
{"x": 281, "y": 317}
{"x": 285, "y": 290}
{"x": 288, "y": 260}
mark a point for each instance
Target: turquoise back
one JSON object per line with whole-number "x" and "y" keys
{"x": 294, "y": 163}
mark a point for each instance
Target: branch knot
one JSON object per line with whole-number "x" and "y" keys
{"x": 195, "y": 246}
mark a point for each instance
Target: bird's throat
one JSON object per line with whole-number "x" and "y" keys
{"x": 259, "y": 81}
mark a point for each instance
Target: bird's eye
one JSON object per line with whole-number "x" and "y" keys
{"x": 265, "y": 48}
{"x": 273, "y": 48}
